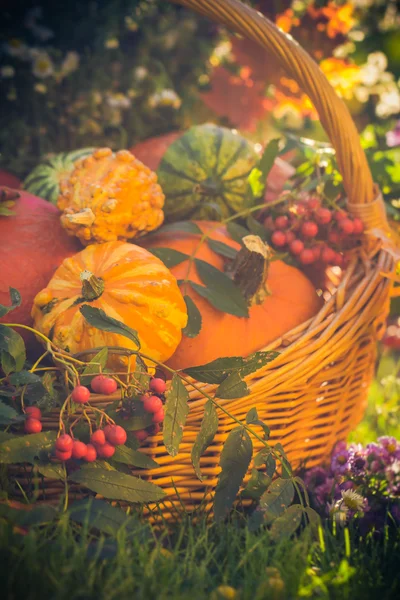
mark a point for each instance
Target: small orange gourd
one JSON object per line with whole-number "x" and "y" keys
{"x": 110, "y": 197}
{"x": 290, "y": 300}
{"x": 129, "y": 284}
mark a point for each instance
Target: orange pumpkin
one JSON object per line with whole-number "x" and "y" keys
{"x": 129, "y": 284}
{"x": 292, "y": 301}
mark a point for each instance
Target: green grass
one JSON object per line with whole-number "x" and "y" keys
{"x": 66, "y": 561}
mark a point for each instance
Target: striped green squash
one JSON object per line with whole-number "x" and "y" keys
{"x": 44, "y": 180}
{"x": 203, "y": 174}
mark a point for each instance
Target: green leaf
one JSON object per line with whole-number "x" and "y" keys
{"x": 141, "y": 420}
{"x": 12, "y": 350}
{"x": 252, "y": 419}
{"x": 256, "y": 228}
{"x": 285, "y": 526}
{"x": 36, "y": 515}
{"x": 193, "y": 326}
{"x": 286, "y": 466}
{"x": 265, "y": 457}
{"x": 51, "y": 470}
{"x": 117, "y": 486}
{"x": 277, "y": 498}
{"x": 97, "y": 363}
{"x": 256, "y": 485}
{"x": 235, "y": 459}
{"x": 27, "y": 448}
{"x": 141, "y": 373}
{"x": 256, "y": 183}
{"x": 313, "y": 517}
{"x": 16, "y": 300}
{"x": 222, "y": 249}
{"x": 169, "y": 256}
{"x": 217, "y": 370}
{"x": 181, "y": 226}
{"x": 237, "y": 232}
{"x": 98, "y": 318}
{"x": 126, "y": 455}
{"x": 208, "y": 429}
{"x": 221, "y": 291}
{"x": 176, "y": 411}
{"x": 99, "y": 514}
{"x": 232, "y": 387}
{"x": 7, "y": 414}
{"x": 271, "y": 152}
{"x": 23, "y": 378}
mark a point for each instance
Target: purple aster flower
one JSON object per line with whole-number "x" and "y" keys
{"x": 357, "y": 463}
{"x": 376, "y": 453}
{"x": 390, "y": 444}
{"x": 393, "y": 137}
{"x": 315, "y": 477}
{"x": 392, "y": 473}
{"x": 339, "y": 463}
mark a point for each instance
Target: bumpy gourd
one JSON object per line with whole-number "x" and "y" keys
{"x": 110, "y": 197}
{"x": 130, "y": 284}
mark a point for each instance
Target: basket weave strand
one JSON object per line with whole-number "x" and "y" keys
{"x": 314, "y": 393}
{"x": 334, "y": 115}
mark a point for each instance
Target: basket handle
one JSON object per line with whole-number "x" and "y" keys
{"x": 333, "y": 113}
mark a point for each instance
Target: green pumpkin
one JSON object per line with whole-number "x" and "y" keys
{"x": 44, "y": 180}
{"x": 204, "y": 173}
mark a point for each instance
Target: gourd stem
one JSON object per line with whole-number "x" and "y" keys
{"x": 92, "y": 286}
{"x": 250, "y": 269}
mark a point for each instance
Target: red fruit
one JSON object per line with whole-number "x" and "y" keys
{"x": 63, "y": 455}
{"x": 34, "y": 412}
{"x": 334, "y": 237}
{"x": 301, "y": 209}
{"x": 296, "y": 247}
{"x": 64, "y": 443}
{"x": 278, "y": 238}
{"x": 91, "y": 453}
{"x": 115, "y": 434}
{"x": 158, "y": 417}
{"x": 281, "y": 222}
{"x": 328, "y": 256}
{"x": 96, "y": 383}
{"x": 309, "y": 229}
{"x": 307, "y": 257}
{"x": 98, "y": 438}
{"x": 347, "y": 226}
{"x": 79, "y": 450}
{"x": 108, "y": 386}
{"x": 80, "y": 394}
{"x": 323, "y": 216}
{"x": 358, "y": 226}
{"x": 340, "y": 214}
{"x": 290, "y": 236}
{"x": 35, "y": 225}
{"x": 158, "y": 385}
{"x": 339, "y": 259}
{"x": 317, "y": 252}
{"x": 32, "y": 425}
{"x": 105, "y": 451}
{"x": 141, "y": 434}
{"x": 152, "y": 404}
{"x": 313, "y": 203}
{"x": 154, "y": 429}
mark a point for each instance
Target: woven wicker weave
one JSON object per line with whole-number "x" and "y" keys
{"x": 315, "y": 392}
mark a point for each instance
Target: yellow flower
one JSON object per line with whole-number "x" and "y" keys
{"x": 118, "y": 101}
{"x": 16, "y": 47}
{"x": 131, "y": 24}
{"x": 7, "y": 72}
{"x": 70, "y": 63}
{"x": 111, "y": 43}
{"x": 43, "y": 66}
{"x": 166, "y": 97}
{"x": 40, "y": 88}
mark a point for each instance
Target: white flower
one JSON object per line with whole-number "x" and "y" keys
{"x": 70, "y": 63}
{"x": 370, "y": 74}
{"x": 16, "y": 47}
{"x": 389, "y": 103}
{"x": 111, "y": 43}
{"x": 352, "y": 500}
{"x": 140, "y": 73}
{"x": 43, "y": 66}
{"x": 7, "y": 72}
{"x": 361, "y": 93}
{"x": 118, "y": 101}
{"x": 378, "y": 60}
{"x": 338, "y": 512}
{"x": 40, "y": 88}
{"x": 166, "y": 97}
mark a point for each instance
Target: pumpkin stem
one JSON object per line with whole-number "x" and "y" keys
{"x": 92, "y": 286}
{"x": 209, "y": 187}
{"x": 250, "y": 269}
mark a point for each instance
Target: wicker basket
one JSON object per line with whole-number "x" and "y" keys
{"x": 315, "y": 392}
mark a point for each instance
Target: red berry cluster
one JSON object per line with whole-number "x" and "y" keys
{"x": 33, "y": 422}
{"x": 102, "y": 444}
{"x": 101, "y": 384}
{"x": 312, "y": 233}
{"x": 153, "y": 404}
